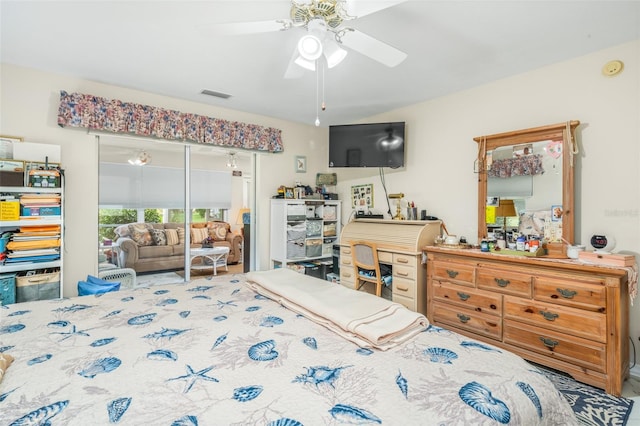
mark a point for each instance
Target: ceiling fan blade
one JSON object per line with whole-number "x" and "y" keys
{"x": 371, "y": 47}
{"x": 238, "y": 28}
{"x": 358, "y": 9}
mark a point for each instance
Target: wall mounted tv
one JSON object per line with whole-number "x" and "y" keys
{"x": 367, "y": 145}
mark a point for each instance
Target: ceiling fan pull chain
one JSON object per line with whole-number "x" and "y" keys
{"x": 324, "y": 106}
{"x": 317, "y": 95}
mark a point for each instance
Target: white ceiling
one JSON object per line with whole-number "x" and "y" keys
{"x": 168, "y": 48}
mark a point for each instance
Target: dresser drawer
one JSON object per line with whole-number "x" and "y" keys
{"x": 404, "y": 287}
{"x": 589, "y": 325}
{"x": 407, "y": 302}
{"x": 574, "y": 350}
{"x": 590, "y": 295}
{"x": 476, "y": 300}
{"x": 347, "y": 278}
{"x": 504, "y": 281}
{"x": 475, "y": 322}
{"x": 454, "y": 272}
{"x": 406, "y": 272}
{"x": 385, "y": 257}
{"x": 405, "y": 259}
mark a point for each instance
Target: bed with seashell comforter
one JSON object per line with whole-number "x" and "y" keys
{"x": 214, "y": 352}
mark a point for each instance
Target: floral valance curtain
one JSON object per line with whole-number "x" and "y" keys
{"x": 526, "y": 165}
{"x": 111, "y": 115}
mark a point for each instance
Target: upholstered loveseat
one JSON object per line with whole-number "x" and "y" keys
{"x": 147, "y": 247}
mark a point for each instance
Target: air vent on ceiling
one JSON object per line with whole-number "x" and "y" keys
{"x": 216, "y": 94}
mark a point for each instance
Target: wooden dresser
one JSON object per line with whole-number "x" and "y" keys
{"x": 399, "y": 244}
{"x": 563, "y": 314}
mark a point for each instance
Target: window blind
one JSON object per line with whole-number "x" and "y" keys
{"x": 133, "y": 187}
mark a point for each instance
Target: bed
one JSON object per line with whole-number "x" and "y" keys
{"x": 213, "y": 351}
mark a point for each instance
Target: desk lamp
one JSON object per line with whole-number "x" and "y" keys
{"x": 399, "y": 196}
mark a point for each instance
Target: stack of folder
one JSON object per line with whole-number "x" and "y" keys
{"x": 34, "y": 243}
{"x": 40, "y": 205}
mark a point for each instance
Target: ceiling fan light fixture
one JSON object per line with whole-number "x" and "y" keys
{"x": 333, "y": 53}
{"x": 142, "y": 158}
{"x": 310, "y": 47}
{"x": 309, "y": 65}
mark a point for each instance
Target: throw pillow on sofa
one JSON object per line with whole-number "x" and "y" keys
{"x": 172, "y": 236}
{"x": 139, "y": 232}
{"x": 198, "y": 234}
{"x": 159, "y": 237}
{"x": 218, "y": 232}
{"x": 180, "y": 235}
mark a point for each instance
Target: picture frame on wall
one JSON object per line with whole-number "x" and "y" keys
{"x": 301, "y": 164}
{"x": 362, "y": 197}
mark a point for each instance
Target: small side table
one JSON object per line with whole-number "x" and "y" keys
{"x": 217, "y": 255}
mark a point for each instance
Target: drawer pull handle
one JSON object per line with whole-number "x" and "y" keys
{"x": 347, "y": 251}
{"x": 463, "y": 296}
{"x": 403, "y": 260}
{"x": 566, "y": 293}
{"x": 402, "y": 274}
{"x": 549, "y": 316}
{"x": 501, "y": 282}
{"x": 402, "y": 287}
{"x": 551, "y": 344}
{"x": 452, "y": 274}
{"x": 463, "y": 318}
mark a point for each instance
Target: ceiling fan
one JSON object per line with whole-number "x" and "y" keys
{"x": 326, "y": 33}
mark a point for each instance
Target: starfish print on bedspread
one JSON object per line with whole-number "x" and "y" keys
{"x": 192, "y": 376}
{"x": 72, "y": 332}
{"x": 222, "y": 304}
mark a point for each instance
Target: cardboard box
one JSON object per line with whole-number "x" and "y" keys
{"x": 40, "y": 211}
{"x": 10, "y": 210}
{"x": 607, "y": 259}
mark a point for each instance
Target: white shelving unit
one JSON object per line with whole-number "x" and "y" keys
{"x": 34, "y": 221}
{"x": 303, "y": 230}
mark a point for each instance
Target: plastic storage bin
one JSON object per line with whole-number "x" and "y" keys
{"x": 7, "y": 289}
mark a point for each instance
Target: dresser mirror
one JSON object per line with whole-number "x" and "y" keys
{"x": 533, "y": 171}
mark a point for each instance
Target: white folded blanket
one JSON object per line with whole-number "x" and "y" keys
{"x": 360, "y": 317}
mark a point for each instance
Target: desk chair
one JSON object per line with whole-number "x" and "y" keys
{"x": 364, "y": 255}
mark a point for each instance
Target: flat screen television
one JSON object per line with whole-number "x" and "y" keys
{"x": 367, "y": 145}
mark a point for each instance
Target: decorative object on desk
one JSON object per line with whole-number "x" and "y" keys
{"x": 207, "y": 242}
{"x": 301, "y": 164}
{"x": 556, "y": 250}
{"x": 398, "y": 197}
{"x": 362, "y": 197}
{"x": 288, "y": 193}
{"x": 573, "y": 251}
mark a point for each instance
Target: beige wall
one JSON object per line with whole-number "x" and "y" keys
{"x": 438, "y": 175}
{"x": 28, "y": 108}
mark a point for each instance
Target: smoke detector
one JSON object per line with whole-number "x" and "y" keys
{"x": 612, "y": 68}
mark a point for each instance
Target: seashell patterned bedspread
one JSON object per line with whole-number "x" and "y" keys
{"x": 213, "y": 352}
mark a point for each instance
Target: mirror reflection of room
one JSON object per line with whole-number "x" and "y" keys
{"x": 524, "y": 182}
